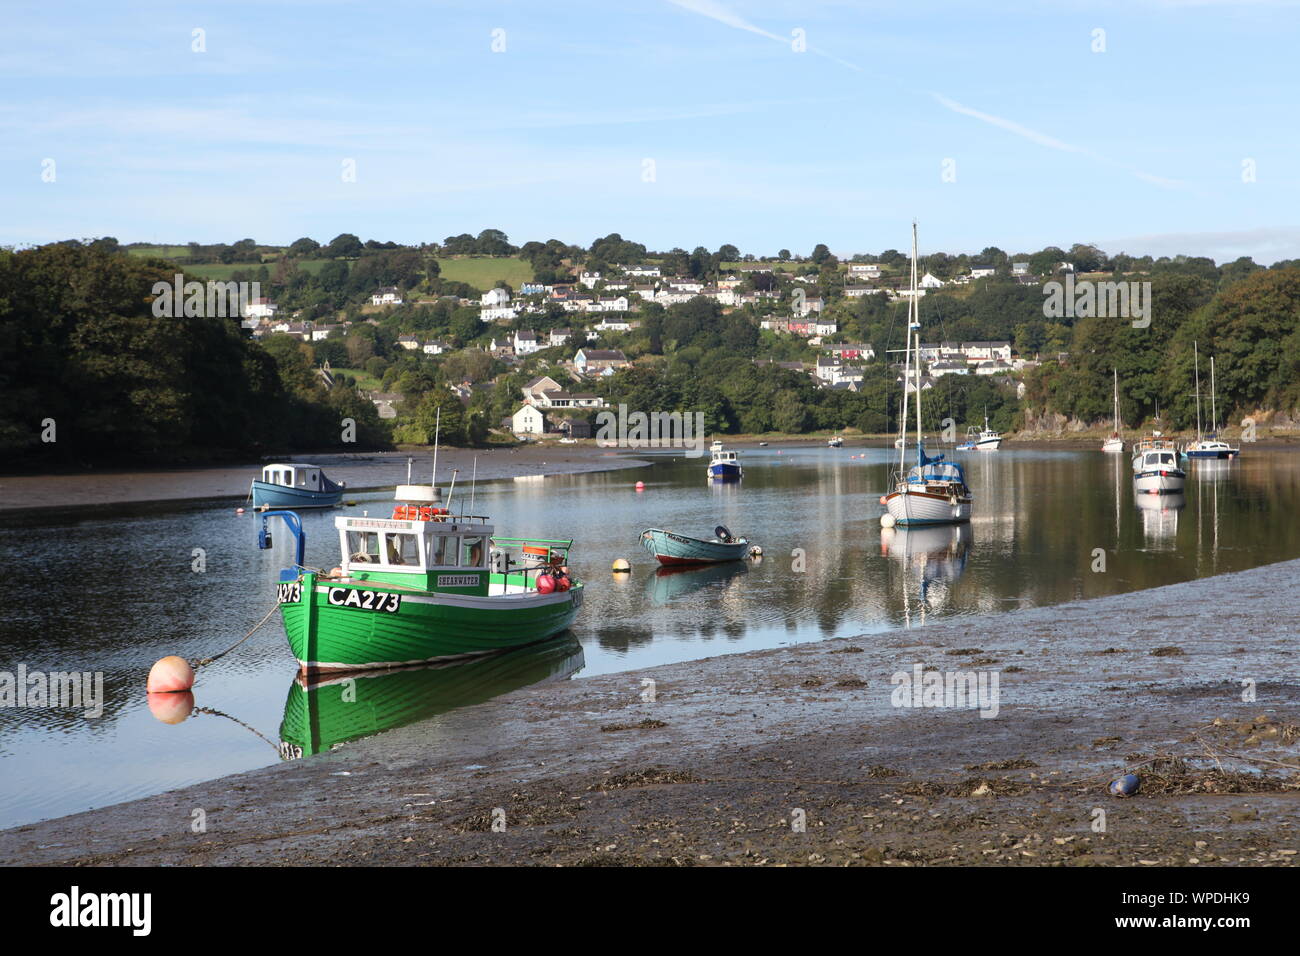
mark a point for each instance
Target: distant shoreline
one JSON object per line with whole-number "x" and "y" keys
{"x": 82, "y": 489}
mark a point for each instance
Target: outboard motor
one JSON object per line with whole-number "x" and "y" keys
{"x": 723, "y": 534}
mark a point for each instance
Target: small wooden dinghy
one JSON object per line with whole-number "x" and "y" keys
{"x": 678, "y": 549}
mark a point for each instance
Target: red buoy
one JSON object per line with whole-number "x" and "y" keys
{"x": 545, "y": 584}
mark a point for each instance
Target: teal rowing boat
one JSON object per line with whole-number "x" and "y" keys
{"x": 670, "y": 548}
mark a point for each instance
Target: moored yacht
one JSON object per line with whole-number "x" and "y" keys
{"x": 1114, "y": 444}
{"x": 1210, "y": 446}
{"x": 933, "y": 491}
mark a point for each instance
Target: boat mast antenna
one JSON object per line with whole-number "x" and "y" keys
{"x": 473, "y": 481}
{"x": 437, "y": 428}
{"x": 452, "y": 490}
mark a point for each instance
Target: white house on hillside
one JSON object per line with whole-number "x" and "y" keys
{"x": 525, "y": 342}
{"x": 386, "y": 295}
{"x": 528, "y": 421}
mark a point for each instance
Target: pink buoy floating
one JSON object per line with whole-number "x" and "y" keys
{"x": 239, "y": 511}
{"x": 640, "y": 486}
{"x": 170, "y": 675}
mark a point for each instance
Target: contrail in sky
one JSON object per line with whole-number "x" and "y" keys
{"x": 717, "y": 11}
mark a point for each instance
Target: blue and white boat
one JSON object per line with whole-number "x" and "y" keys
{"x": 933, "y": 491}
{"x": 294, "y": 485}
{"x": 724, "y": 465}
{"x": 1211, "y": 446}
{"x": 1157, "y": 469}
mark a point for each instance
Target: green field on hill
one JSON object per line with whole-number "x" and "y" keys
{"x": 485, "y": 272}
{"x": 222, "y": 272}
{"x": 164, "y": 252}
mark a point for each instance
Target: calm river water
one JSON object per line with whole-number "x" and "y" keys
{"x": 113, "y": 589}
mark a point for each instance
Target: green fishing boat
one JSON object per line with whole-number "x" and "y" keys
{"x": 424, "y": 585}
{"x": 323, "y": 712}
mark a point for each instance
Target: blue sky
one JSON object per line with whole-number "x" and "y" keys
{"x": 1139, "y": 148}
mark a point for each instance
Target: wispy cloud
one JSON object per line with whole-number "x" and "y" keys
{"x": 717, "y": 11}
{"x": 723, "y": 14}
{"x": 1051, "y": 142}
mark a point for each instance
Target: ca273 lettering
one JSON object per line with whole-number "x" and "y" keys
{"x": 365, "y": 600}
{"x": 290, "y": 592}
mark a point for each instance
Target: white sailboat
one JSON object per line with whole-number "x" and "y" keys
{"x": 1114, "y": 444}
{"x": 933, "y": 491}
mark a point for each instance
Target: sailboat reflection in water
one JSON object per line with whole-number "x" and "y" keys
{"x": 320, "y": 714}
{"x": 936, "y": 555}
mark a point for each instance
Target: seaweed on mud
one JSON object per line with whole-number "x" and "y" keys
{"x": 522, "y": 809}
{"x": 971, "y": 786}
{"x": 648, "y": 724}
{"x": 651, "y": 777}
{"x": 1020, "y": 763}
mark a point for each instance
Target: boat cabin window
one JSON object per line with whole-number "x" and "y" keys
{"x": 442, "y": 550}
{"x": 402, "y": 548}
{"x": 363, "y": 547}
{"x": 472, "y": 551}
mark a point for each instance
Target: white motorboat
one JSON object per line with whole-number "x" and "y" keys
{"x": 1156, "y": 468}
{"x": 985, "y": 439}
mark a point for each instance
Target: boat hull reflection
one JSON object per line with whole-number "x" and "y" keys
{"x": 669, "y": 585}
{"x": 322, "y": 712}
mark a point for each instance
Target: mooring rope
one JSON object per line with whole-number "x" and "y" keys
{"x": 208, "y": 660}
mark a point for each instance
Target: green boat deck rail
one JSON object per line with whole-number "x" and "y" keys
{"x": 512, "y": 572}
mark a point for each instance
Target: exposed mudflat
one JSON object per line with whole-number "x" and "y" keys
{"x": 735, "y": 750}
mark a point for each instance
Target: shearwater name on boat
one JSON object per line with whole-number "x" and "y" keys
{"x": 424, "y": 585}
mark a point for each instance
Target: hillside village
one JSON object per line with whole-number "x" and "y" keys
{"x": 601, "y": 309}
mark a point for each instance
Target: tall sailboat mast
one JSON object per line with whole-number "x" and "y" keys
{"x": 914, "y": 323}
{"x": 1214, "y": 411}
{"x": 1197, "y": 365}
{"x": 1115, "y": 372}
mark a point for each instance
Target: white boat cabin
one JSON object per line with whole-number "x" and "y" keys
{"x": 1156, "y": 460}
{"x": 307, "y": 477}
{"x": 413, "y": 547}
